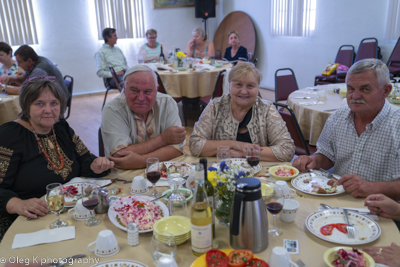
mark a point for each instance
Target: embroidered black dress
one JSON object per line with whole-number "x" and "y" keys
{"x": 25, "y": 172}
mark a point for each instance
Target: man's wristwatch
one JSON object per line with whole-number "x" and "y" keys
{"x": 4, "y": 90}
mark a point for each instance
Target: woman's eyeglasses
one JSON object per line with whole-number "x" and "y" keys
{"x": 36, "y": 78}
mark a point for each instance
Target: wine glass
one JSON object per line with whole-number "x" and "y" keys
{"x": 55, "y": 203}
{"x": 90, "y": 201}
{"x": 253, "y": 157}
{"x": 153, "y": 174}
{"x": 162, "y": 244}
{"x": 274, "y": 199}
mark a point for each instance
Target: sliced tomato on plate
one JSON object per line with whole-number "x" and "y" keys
{"x": 327, "y": 229}
{"x": 240, "y": 257}
{"x": 258, "y": 263}
{"x": 215, "y": 254}
{"x": 220, "y": 262}
{"x": 342, "y": 227}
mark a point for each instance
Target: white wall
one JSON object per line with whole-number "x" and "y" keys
{"x": 338, "y": 22}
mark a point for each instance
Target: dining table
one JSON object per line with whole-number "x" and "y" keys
{"x": 189, "y": 83}
{"x": 312, "y": 113}
{"x": 9, "y": 108}
{"x": 311, "y": 248}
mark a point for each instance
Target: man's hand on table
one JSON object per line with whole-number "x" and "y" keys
{"x": 29, "y": 207}
{"x": 304, "y": 161}
{"x": 355, "y": 185}
{"x": 385, "y": 255}
{"x": 174, "y": 135}
{"x": 101, "y": 164}
{"x": 125, "y": 159}
{"x": 383, "y": 206}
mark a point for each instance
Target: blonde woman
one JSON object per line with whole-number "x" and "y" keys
{"x": 199, "y": 46}
{"x": 152, "y": 49}
{"x": 236, "y": 52}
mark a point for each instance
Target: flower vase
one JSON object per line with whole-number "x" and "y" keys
{"x": 223, "y": 211}
{"x": 180, "y": 63}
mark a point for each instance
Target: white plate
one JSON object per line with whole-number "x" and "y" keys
{"x": 242, "y": 163}
{"x": 120, "y": 263}
{"x": 189, "y": 166}
{"x": 112, "y": 214}
{"x": 367, "y": 230}
{"x": 298, "y": 183}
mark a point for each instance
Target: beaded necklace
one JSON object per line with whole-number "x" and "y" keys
{"x": 44, "y": 151}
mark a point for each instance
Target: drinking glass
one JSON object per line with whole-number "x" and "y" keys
{"x": 55, "y": 203}
{"x": 153, "y": 174}
{"x": 162, "y": 244}
{"x": 274, "y": 199}
{"x": 90, "y": 194}
{"x": 222, "y": 153}
{"x": 253, "y": 157}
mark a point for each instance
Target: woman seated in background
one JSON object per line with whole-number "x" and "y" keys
{"x": 152, "y": 49}
{"x": 240, "y": 120}
{"x": 235, "y": 53}
{"x": 37, "y": 149}
{"x": 199, "y": 47}
{"x": 9, "y": 66}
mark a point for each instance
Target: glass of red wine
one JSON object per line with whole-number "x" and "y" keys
{"x": 153, "y": 174}
{"x": 253, "y": 157}
{"x": 274, "y": 199}
{"x": 90, "y": 201}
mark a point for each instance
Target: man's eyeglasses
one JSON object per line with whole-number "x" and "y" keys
{"x": 37, "y": 78}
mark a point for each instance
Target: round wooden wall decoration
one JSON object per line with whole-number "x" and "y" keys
{"x": 240, "y": 22}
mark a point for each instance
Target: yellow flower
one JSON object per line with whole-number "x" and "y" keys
{"x": 180, "y": 55}
{"x": 212, "y": 177}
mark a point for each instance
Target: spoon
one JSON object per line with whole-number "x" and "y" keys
{"x": 64, "y": 261}
{"x": 327, "y": 207}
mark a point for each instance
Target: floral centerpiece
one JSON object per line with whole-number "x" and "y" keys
{"x": 224, "y": 183}
{"x": 180, "y": 56}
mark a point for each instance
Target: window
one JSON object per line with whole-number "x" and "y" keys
{"x": 393, "y": 20}
{"x": 126, "y": 16}
{"x": 292, "y": 17}
{"x": 17, "y": 23}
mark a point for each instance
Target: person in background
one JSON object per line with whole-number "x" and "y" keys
{"x": 360, "y": 140}
{"x": 37, "y": 149}
{"x": 235, "y": 53}
{"x": 141, "y": 123}
{"x": 199, "y": 46}
{"x": 240, "y": 120}
{"x": 34, "y": 66}
{"x": 152, "y": 49}
{"x": 109, "y": 54}
{"x": 9, "y": 66}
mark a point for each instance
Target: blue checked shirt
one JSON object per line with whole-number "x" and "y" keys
{"x": 106, "y": 56}
{"x": 374, "y": 155}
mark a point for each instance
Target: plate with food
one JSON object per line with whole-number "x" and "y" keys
{"x": 122, "y": 263}
{"x": 138, "y": 209}
{"x": 241, "y": 163}
{"x": 175, "y": 166}
{"x": 320, "y": 185}
{"x": 215, "y": 257}
{"x": 283, "y": 172}
{"x": 330, "y": 225}
{"x": 347, "y": 256}
{"x": 74, "y": 193}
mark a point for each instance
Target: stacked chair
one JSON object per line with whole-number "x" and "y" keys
{"x": 394, "y": 60}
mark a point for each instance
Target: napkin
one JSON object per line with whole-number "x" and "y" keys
{"x": 371, "y": 216}
{"x": 311, "y": 103}
{"x": 156, "y": 66}
{"x": 98, "y": 182}
{"x": 43, "y": 237}
{"x": 204, "y": 67}
{"x": 304, "y": 92}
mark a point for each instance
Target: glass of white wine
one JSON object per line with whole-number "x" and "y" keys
{"x": 55, "y": 203}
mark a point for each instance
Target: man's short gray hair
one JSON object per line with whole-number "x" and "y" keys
{"x": 380, "y": 69}
{"x": 141, "y": 67}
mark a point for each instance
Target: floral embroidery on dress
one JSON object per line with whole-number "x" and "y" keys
{"x": 48, "y": 143}
{"x": 80, "y": 146}
{"x": 5, "y": 157}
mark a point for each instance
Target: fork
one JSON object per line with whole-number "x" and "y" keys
{"x": 327, "y": 174}
{"x": 350, "y": 228}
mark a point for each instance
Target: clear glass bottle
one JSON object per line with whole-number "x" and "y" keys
{"x": 200, "y": 216}
{"x": 210, "y": 192}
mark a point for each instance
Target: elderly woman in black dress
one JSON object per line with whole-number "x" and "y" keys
{"x": 37, "y": 149}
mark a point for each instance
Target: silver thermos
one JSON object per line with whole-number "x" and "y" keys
{"x": 249, "y": 220}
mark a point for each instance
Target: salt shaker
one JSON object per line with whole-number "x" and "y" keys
{"x": 133, "y": 234}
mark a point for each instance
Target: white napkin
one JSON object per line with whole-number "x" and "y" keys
{"x": 225, "y": 86}
{"x": 43, "y": 237}
{"x": 304, "y": 92}
{"x": 204, "y": 67}
{"x": 311, "y": 103}
{"x": 371, "y": 216}
{"x": 82, "y": 180}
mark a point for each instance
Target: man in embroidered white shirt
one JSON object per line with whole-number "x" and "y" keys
{"x": 141, "y": 123}
{"x": 361, "y": 140}
{"x": 109, "y": 54}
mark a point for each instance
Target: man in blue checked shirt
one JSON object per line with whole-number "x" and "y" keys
{"x": 361, "y": 140}
{"x": 109, "y": 54}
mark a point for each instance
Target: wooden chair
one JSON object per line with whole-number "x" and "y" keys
{"x": 218, "y": 91}
{"x": 110, "y": 87}
{"x": 302, "y": 147}
{"x": 69, "y": 83}
{"x": 284, "y": 84}
{"x": 394, "y": 60}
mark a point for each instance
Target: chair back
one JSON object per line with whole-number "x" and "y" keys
{"x": 395, "y": 56}
{"x": 294, "y": 129}
{"x": 284, "y": 84}
{"x": 218, "y": 54}
{"x": 69, "y": 83}
{"x": 160, "y": 87}
{"x": 115, "y": 78}
{"x": 101, "y": 144}
{"x": 345, "y": 55}
{"x": 219, "y": 85}
{"x": 368, "y": 49}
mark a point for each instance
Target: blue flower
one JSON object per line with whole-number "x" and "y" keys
{"x": 240, "y": 174}
{"x": 212, "y": 169}
{"x": 223, "y": 166}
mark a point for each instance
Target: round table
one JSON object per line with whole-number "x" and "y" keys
{"x": 311, "y": 248}
{"x": 312, "y": 117}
